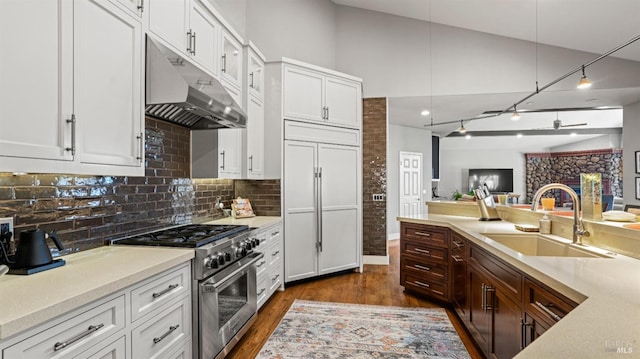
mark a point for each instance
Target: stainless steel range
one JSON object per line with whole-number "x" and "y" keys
{"x": 224, "y": 281}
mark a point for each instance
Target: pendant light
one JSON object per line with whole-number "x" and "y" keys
{"x": 516, "y": 115}
{"x": 462, "y": 130}
{"x": 584, "y": 82}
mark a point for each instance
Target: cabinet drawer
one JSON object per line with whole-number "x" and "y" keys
{"x": 274, "y": 233}
{"x": 432, "y": 271}
{"x": 114, "y": 350}
{"x": 435, "y": 236}
{"x": 261, "y": 266}
{"x": 275, "y": 278}
{"x": 263, "y": 284}
{"x": 424, "y": 285}
{"x": 545, "y": 304}
{"x": 274, "y": 253}
{"x": 74, "y": 335}
{"x": 506, "y": 277}
{"x": 162, "y": 333}
{"x": 423, "y": 251}
{"x": 159, "y": 290}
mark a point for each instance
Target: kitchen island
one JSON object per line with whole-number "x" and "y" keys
{"x": 604, "y": 324}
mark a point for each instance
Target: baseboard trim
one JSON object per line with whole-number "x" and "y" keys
{"x": 393, "y": 236}
{"x": 376, "y": 260}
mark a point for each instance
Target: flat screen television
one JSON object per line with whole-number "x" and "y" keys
{"x": 497, "y": 179}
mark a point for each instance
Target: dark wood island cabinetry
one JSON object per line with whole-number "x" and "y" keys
{"x": 501, "y": 307}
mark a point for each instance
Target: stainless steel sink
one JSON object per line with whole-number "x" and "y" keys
{"x": 541, "y": 246}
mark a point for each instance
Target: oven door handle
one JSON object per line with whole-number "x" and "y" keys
{"x": 212, "y": 287}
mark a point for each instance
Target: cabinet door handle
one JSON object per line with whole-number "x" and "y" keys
{"x": 422, "y": 250}
{"x": 275, "y": 278}
{"x": 422, "y": 267}
{"x": 251, "y": 163}
{"x": 141, "y": 6}
{"x": 72, "y": 121}
{"x": 327, "y": 112}
{"x": 275, "y": 253}
{"x": 65, "y": 343}
{"x": 261, "y": 264}
{"x": 261, "y": 291}
{"x": 523, "y": 333}
{"x": 457, "y": 258}
{"x": 422, "y": 284}
{"x": 275, "y": 233}
{"x": 423, "y": 234}
{"x": 193, "y": 52}
{"x": 189, "y": 39}
{"x": 172, "y": 328}
{"x": 548, "y": 312}
{"x": 224, "y": 63}
{"x": 165, "y": 291}
{"x": 222, "y": 154}
{"x": 458, "y": 244}
{"x": 251, "y": 82}
{"x": 141, "y": 147}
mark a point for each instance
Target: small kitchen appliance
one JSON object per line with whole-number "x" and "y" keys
{"x": 32, "y": 253}
{"x": 223, "y": 281}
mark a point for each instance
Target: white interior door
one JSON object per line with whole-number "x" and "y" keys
{"x": 410, "y": 183}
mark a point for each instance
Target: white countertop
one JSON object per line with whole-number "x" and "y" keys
{"x": 29, "y": 300}
{"x": 608, "y": 289}
{"x": 252, "y": 222}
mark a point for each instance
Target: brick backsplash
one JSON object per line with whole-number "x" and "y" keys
{"x": 88, "y": 211}
{"x": 374, "y": 176}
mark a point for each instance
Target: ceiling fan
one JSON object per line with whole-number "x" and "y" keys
{"x": 557, "y": 124}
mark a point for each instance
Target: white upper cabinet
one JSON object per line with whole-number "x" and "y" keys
{"x": 136, "y": 7}
{"x": 255, "y": 73}
{"x": 321, "y": 97}
{"x": 36, "y": 74}
{"x": 74, "y": 94}
{"x": 189, "y": 28}
{"x": 253, "y": 87}
{"x": 230, "y": 59}
{"x": 107, "y": 85}
{"x": 230, "y": 153}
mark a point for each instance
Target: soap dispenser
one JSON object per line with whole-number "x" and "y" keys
{"x": 545, "y": 225}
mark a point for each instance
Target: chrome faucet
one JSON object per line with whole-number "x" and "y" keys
{"x": 578, "y": 224}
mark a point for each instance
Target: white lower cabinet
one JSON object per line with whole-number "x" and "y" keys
{"x": 269, "y": 269}
{"x": 115, "y": 327}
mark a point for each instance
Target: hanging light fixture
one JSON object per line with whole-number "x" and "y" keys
{"x": 516, "y": 115}
{"x": 584, "y": 82}
{"x": 462, "y": 130}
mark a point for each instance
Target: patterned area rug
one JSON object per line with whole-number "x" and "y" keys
{"x": 320, "y": 330}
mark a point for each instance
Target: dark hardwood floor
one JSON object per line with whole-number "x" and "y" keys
{"x": 377, "y": 285}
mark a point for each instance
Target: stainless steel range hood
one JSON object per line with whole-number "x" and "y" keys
{"x": 179, "y": 92}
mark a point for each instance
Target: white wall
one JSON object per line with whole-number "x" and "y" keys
{"x": 407, "y": 139}
{"x": 631, "y": 118}
{"x": 304, "y": 30}
{"x": 455, "y": 161}
{"x": 600, "y": 142}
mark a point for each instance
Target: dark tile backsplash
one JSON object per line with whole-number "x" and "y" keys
{"x": 88, "y": 211}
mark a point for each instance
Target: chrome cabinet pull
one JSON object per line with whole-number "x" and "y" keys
{"x": 422, "y": 267}
{"x": 422, "y": 284}
{"x": 72, "y": 121}
{"x": 523, "y": 333}
{"x": 261, "y": 291}
{"x": 251, "y": 163}
{"x": 275, "y": 278}
{"x": 189, "y": 38}
{"x": 224, "y": 63}
{"x": 275, "y": 253}
{"x": 423, "y": 234}
{"x": 484, "y": 297}
{"x": 165, "y": 291}
{"x": 194, "y": 44}
{"x": 251, "y": 82}
{"x": 457, "y": 258}
{"x": 548, "y": 312}
{"x": 260, "y": 265}
{"x": 327, "y": 113}
{"x": 489, "y": 289}
{"x": 63, "y": 344}
{"x": 222, "y": 154}
{"x": 141, "y": 6}
{"x": 275, "y": 233}
{"x": 320, "y": 204}
{"x": 422, "y": 250}
{"x": 141, "y": 147}
{"x": 172, "y": 328}
{"x": 458, "y": 244}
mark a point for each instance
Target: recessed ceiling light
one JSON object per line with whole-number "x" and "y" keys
{"x": 519, "y": 135}
{"x": 425, "y": 113}
{"x": 467, "y": 136}
{"x": 573, "y": 134}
